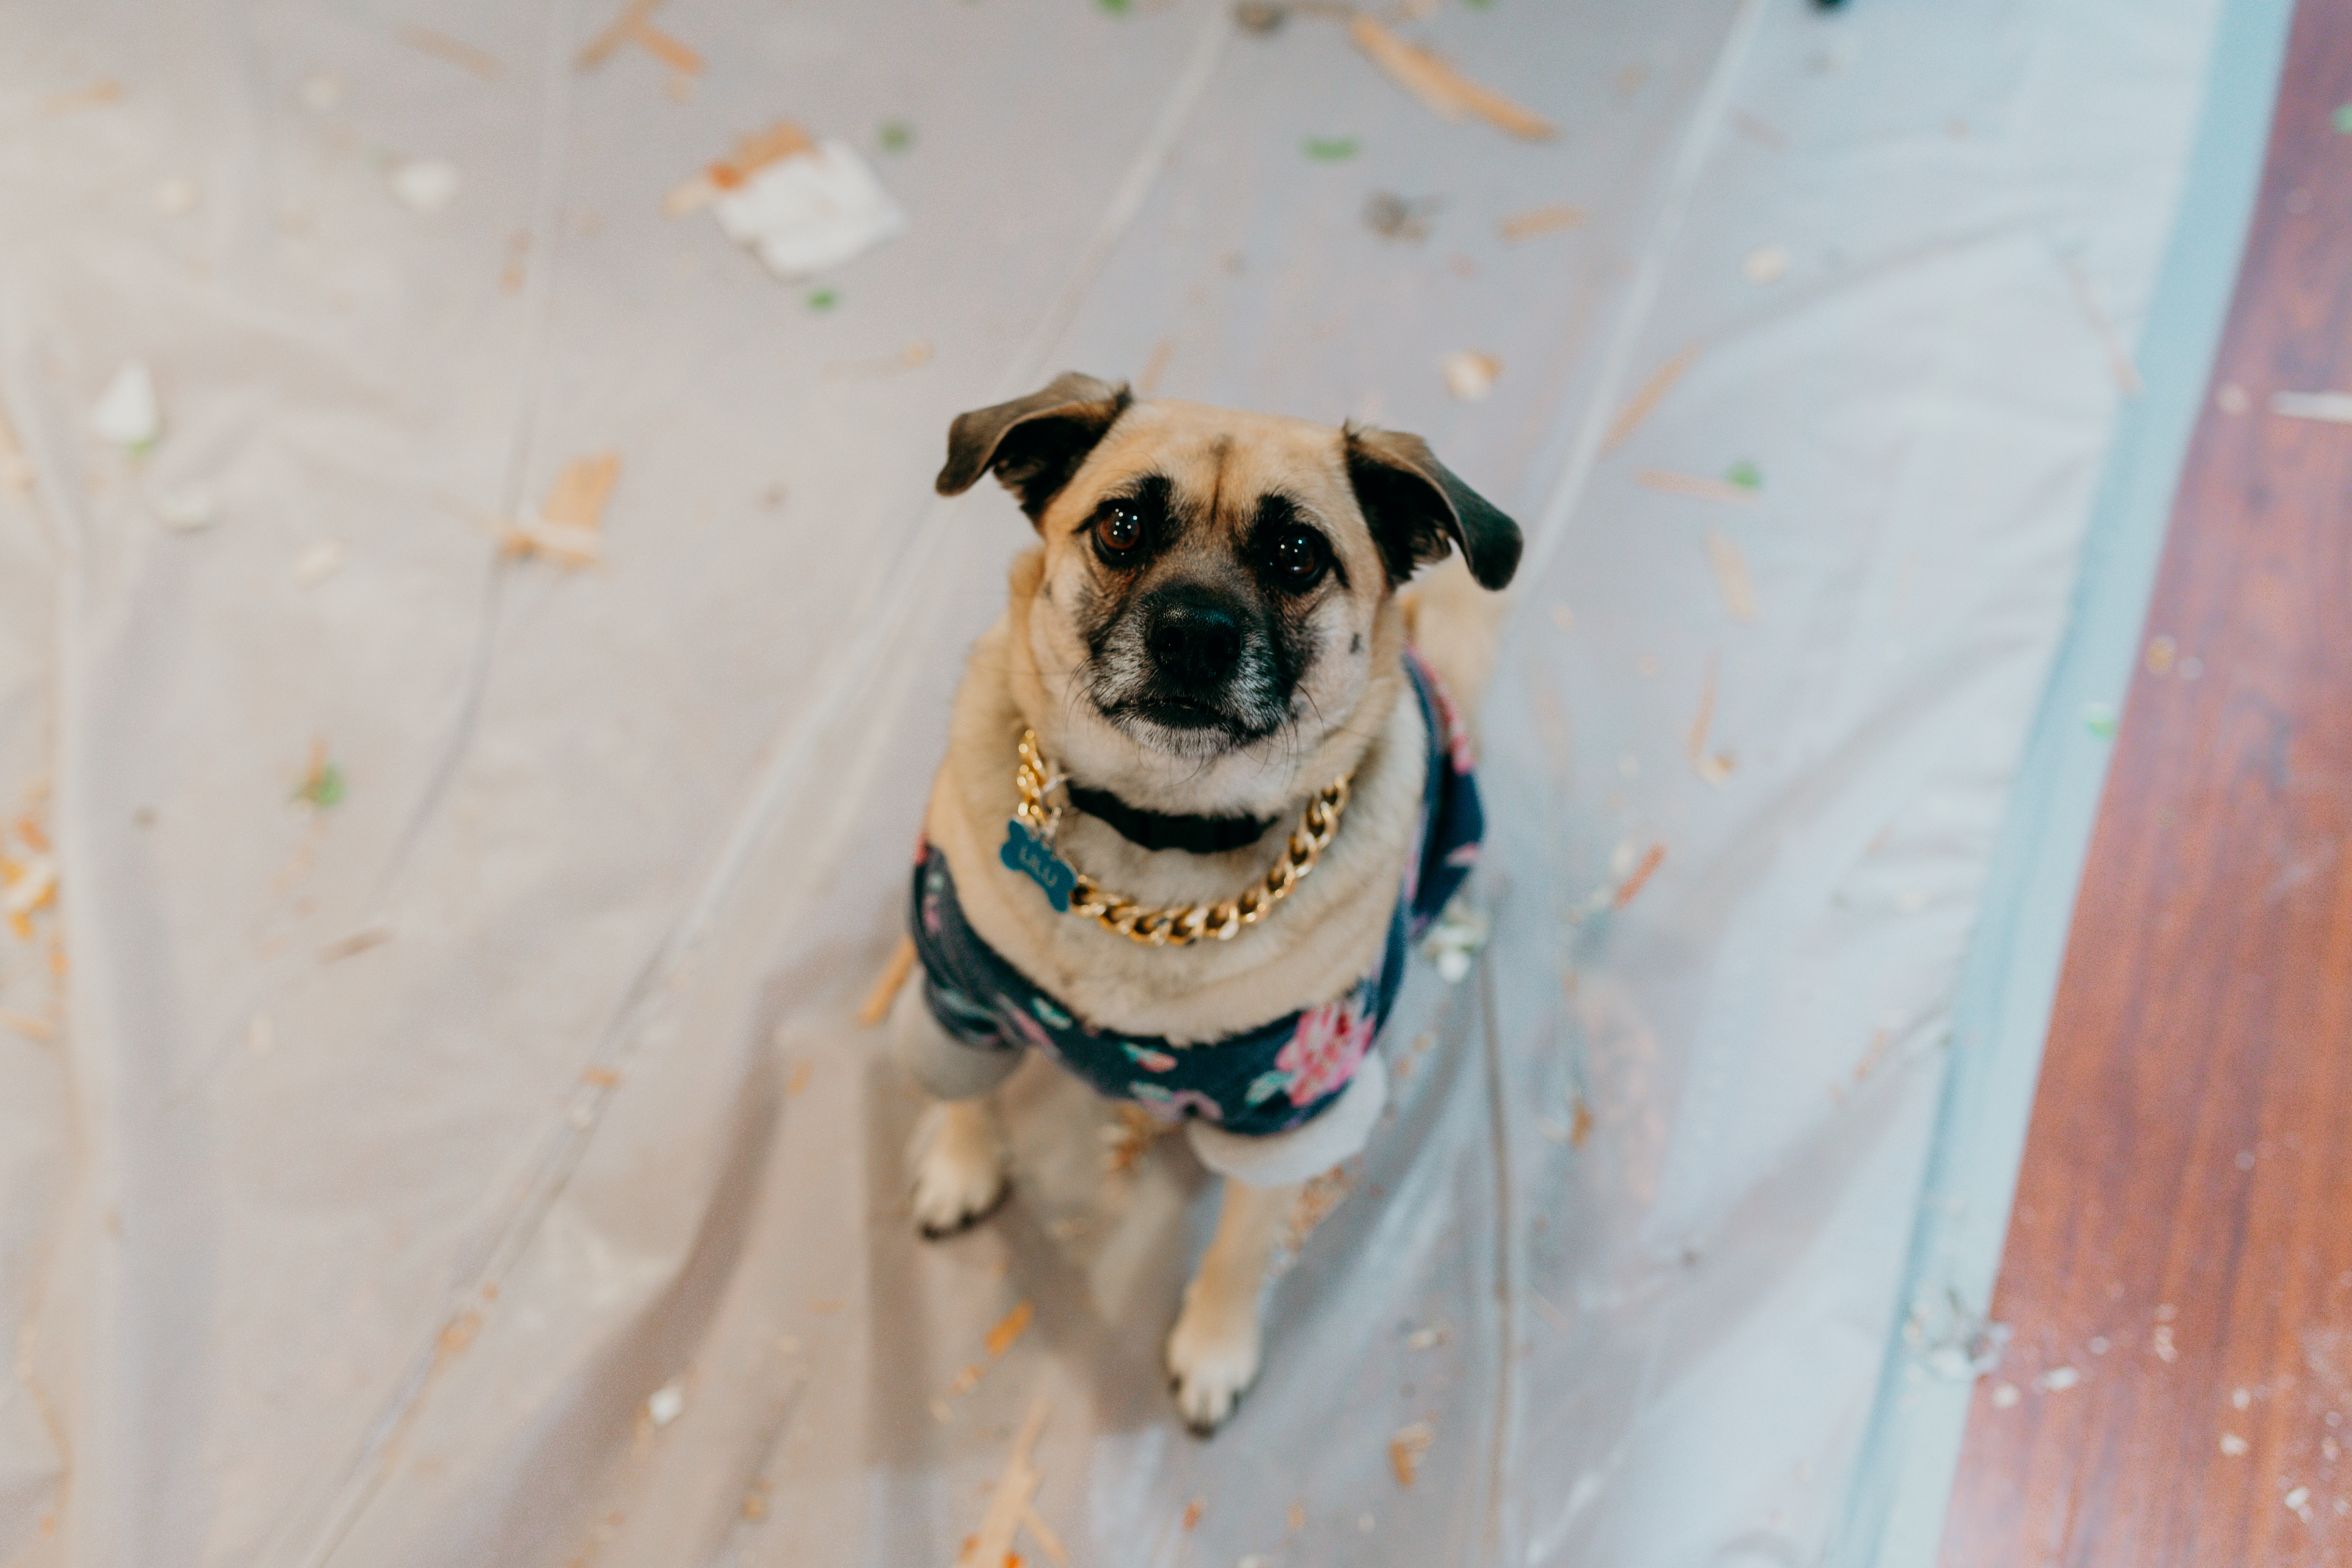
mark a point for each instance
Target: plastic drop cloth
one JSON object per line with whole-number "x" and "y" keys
{"x": 485, "y": 1169}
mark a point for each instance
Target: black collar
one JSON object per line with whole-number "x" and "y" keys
{"x": 1197, "y": 835}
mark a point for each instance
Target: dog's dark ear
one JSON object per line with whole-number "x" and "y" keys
{"x": 1035, "y": 443}
{"x": 1418, "y": 508}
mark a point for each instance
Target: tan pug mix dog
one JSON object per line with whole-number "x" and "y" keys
{"x": 1209, "y": 633}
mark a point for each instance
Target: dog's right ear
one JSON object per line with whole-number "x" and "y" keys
{"x": 1035, "y": 443}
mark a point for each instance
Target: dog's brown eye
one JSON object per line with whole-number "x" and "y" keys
{"x": 1117, "y": 530}
{"x": 1299, "y": 556}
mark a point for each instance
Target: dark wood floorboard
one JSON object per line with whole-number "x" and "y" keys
{"x": 2182, "y": 1239}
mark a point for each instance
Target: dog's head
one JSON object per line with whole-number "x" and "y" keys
{"x": 1215, "y": 586}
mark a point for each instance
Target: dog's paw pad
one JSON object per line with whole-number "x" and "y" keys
{"x": 1213, "y": 1358}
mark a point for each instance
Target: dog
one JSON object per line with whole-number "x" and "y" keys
{"x": 1203, "y": 781}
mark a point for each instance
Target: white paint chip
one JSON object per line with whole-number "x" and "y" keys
{"x": 2005, "y": 1395}
{"x": 2234, "y": 1445}
{"x": 188, "y": 508}
{"x": 128, "y": 414}
{"x": 2059, "y": 1379}
{"x": 813, "y": 210}
{"x": 424, "y": 185}
{"x": 1471, "y": 376}
{"x": 1767, "y": 264}
{"x": 319, "y": 563}
{"x": 668, "y": 1402}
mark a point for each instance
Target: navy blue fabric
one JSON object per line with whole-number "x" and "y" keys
{"x": 1266, "y": 1079}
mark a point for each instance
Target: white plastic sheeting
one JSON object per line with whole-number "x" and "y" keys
{"x": 366, "y": 1170}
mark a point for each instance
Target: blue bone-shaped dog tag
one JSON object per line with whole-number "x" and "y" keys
{"x": 1031, "y": 856}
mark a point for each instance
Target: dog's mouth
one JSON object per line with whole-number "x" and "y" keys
{"x": 1186, "y": 726}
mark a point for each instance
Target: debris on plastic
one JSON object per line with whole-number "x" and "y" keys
{"x": 1332, "y": 149}
{"x": 1470, "y": 376}
{"x": 1745, "y": 475}
{"x": 1444, "y": 90}
{"x": 2161, "y": 652}
{"x": 128, "y": 414}
{"x": 2335, "y": 407}
{"x": 567, "y": 528}
{"x": 1767, "y": 264}
{"x": 16, "y": 468}
{"x": 635, "y": 26}
{"x": 2059, "y": 1379}
{"x": 1653, "y": 392}
{"x": 1540, "y": 221}
{"x": 1010, "y": 1328}
{"x": 1406, "y": 1450}
{"x": 424, "y": 185}
{"x": 1193, "y": 1510}
{"x": 1731, "y": 576}
{"x": 668, "y": 1403}
{"x": 2235, "y": 1446}
{"x": 1580, "y": 1123}
{"x": 895, "y": 136}
{"x": 187, "y": 507}
{"x": 2005, "y": 1395}
{"x": 1010, "y": 1502}
{"x": 455, "y": 51}
{"x": 1392, "y": 216}
{"x": 1315, "y": 1203}
{"x": 1125, "y": 1140}
{"x": 1713, "y": 767}
{"x": 2102, "y": 327}
{"x": 1696, "y": 485}
{"x": 2099, "y": 719}
{"x": 799, "y": 205}
{"x": 2232, "y": 399}
{"x": 1953, "y": 1342}
{"x": 823, "y": 299}
{"x": 1631, "y": 888}
{"x": 1455, "y": 940}
{"x": 323, "y": 781}
{"x": 319, "y": 563}
{"x": 26, "y": 887}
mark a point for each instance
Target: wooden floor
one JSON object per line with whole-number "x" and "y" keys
{"x": 2179, "y": 1266}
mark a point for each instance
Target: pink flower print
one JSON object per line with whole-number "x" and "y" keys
{"x": 1323, "y": 1051}
{"x": 1017, "y": 1018}
{"x": 1149, "y": 1059}
{"x": 1174, "y": 1105}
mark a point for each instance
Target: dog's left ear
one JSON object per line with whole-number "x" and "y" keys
{"x": 1035, "y": 443}
{"x": 1418, "y": 509}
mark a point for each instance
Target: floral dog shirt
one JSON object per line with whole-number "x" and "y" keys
{"x": 1264, "y": 1080}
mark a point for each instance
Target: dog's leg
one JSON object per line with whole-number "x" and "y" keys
{"x": 956, "y": 1156}
{"x": 1213, "y": 1355}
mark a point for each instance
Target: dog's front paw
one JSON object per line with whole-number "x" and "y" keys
{"x": 1213, "y": 1355}
{"x": 959, "y": 1165}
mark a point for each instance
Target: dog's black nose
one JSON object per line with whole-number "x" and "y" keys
{"x": 1194, "y": 637}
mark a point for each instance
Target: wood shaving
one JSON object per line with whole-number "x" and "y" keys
{"x": 967, "y": 1378}
{"x": 607, "y": 44}
{"x": 1124, "y": 1144}
{"x": 1695, "y": 485}
{"x": 1406, "y": 1449}
{"x": 566, "y": 529}
{"x": 1631, "y": 886}
{"x": 600, "y": 1077}
{"x": 1580, "y": 1125}
{"x": 457, "y": 1334}
{"x": 1713, "y": 768}
{"x": 665, "y": 49}
{"x": 32, "y": 1028}
{"x": 798, "y": 1081}
{"x": 1731, "y": 576}
{"x": 887, "y": 985}
{"x": 1010, "y": 1328}
{"x": 27, "y": 885}
{"x": 990, "y": 1546}
{"x": 1044, "y": 1535}
{"x": 1653, "y": 392}
{"x": 456, "y": 51}
{"x": 2102, "y": 327}
{"x": 752, "y": 153}
{"x": 1443, "y": 88}
{"x": 1193, "y": 1510}
{"x": 1315, "y": 1203}
{"x": 1471, "y": 376}
{"x": 1541, "y": 220}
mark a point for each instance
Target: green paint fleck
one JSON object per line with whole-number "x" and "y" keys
{"x": 323, "y": 788}
{"x": 1331, "y": 149}
{"x": 1745, "y": 475}
{"x": 823, "y": 299}
{"x": 896, "y": 136}
{"x": 1116, "y": 7}
{"x": 2344, "y": 120}
{"x": 2099, "y": 719}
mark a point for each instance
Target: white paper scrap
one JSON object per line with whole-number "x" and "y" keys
{"x": 809, "y": 212}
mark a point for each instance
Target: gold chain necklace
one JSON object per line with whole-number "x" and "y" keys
{"x": 1186, "y": 924}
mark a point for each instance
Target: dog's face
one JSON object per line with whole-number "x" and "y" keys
{"x": 1212, "y": 583}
